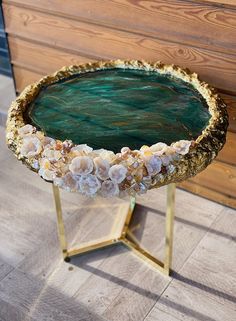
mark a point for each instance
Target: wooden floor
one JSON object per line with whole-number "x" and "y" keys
{"x": 110, "y": 284}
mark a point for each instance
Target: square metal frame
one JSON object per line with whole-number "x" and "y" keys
{"x": 126, "y": 236}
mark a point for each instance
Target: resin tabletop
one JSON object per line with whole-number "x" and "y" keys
{"x": 115, "y": 108}
{"x": 117, "y": 127}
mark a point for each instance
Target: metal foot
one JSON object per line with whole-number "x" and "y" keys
{"x": 67, "y": 259}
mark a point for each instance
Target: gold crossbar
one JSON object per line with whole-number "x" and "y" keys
{"x": 126, "y": 237}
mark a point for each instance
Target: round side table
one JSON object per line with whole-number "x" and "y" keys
{"x": 117, "y": 129}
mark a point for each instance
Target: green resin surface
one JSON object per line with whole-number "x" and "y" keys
{"x": 120, "y": 107}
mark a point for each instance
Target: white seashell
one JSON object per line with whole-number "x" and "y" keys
{"x": 47, "y": 174}
{"x": 89, "y": 184}
{"x": 69, "y": 182}
{"x": 102, "y": 168}
{"x": 26, "y": 130}
{"x": 169, "y": 151}
{"x": 44, "y": 163}
{"x": 51, "y": 154}
{"x": 31, "y": 146}
{"x": 165, "y": 160}
{"x": 182, "y": 146}
{"x": 105, "y": 154}
{"x": 48, "y": 141}
{"x": 81, "y": 165}
{"x": 125, "y": 150}
{"x": 158, "y": 149}
{"x": 109, "y": 188}
{"x": 82, "y": 148}
{"x": 153, "y": 165}
{"x": 117, "y": 173}
{"x": 145, "y": 151}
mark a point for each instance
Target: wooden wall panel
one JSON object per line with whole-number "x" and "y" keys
{"x": 228, "y": 153}
{"x": 231, "y": 103}
{"x": 209, "y": 193}
{"x": 101, "y": 42}
{"x": 215, "y": 176}
{"x": 46, "y": 35}
{"x": 192, "y": 23}
{"x": 222, "y": 3}
{"x": 24, "y": 77}
{"x": 40, "y": 58}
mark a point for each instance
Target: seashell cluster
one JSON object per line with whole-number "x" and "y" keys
{"x": 98, "y": 172}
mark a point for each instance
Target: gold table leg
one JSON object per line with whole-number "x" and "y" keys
{"x": 61, "y": 228}
{"x": 127, "y": 237}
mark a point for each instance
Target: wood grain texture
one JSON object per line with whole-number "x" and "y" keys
{"x": 5, "y": 269}
{"x": 219, "y": 177}
{"x": 190, "y": 23}
{"x": 221, "y": 3}
{"x": 231, "y": 104}
{"x": 24, "y": 77}
{"x": 9, "y": 311}
{"x": 103, "y": 43}
{"x": 19, "y": 287}
{"x": 194, "y": 304}
{"x": 41, "y": 58}
{"x": 208, "y": 193}
{"x": 228, "y": 153}
{"x": 205, "y": 278}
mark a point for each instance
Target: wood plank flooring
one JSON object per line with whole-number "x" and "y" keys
{"x": 110, "y": 284}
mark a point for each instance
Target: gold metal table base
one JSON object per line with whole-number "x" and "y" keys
{"x": 126, "y": 237}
